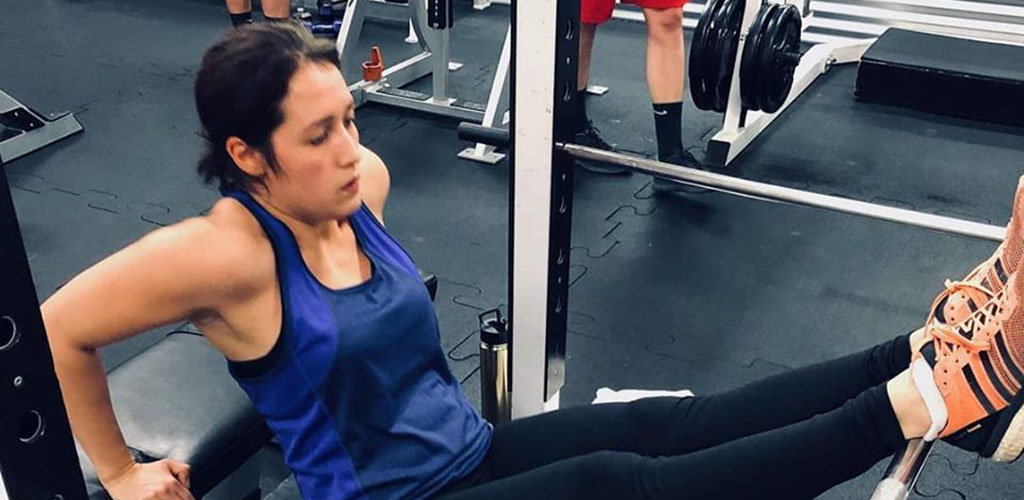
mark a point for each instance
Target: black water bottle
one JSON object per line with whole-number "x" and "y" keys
{"x": 494, "y": 368}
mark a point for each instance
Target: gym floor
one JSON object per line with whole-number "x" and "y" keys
{"x": 702, "y": 291}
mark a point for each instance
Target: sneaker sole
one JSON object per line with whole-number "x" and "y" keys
{"x": 1007, "y": 441}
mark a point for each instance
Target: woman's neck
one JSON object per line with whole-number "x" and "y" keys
{"x": 311, "y": 235}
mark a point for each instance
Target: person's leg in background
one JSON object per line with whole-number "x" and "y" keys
{"x": 240, "y": 12}
{"x": 592, "y": 14}
{"x": 665, "y": 57}
{"x": 277, "y": 10}
{"x": 665, "y": 80}
{"x": 273, "y": 10}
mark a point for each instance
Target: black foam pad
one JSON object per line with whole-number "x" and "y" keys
{"x": 943, "y": 74}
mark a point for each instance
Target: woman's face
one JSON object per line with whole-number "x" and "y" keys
{"x": 316, "y": 147}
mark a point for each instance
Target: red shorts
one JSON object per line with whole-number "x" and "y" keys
{"x": 599, "y": 11}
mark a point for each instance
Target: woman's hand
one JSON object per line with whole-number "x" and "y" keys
{"x": 163, "y": 480}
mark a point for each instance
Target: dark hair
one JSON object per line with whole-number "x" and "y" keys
{"x": 239, "y": 89}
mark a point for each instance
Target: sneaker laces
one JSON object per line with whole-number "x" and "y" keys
{"x": 980, "y": 274}
{"x": 971, "y": 332}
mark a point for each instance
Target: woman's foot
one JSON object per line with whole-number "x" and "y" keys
{"x": 974, "y": 347}
{"x": 994, "y": 273}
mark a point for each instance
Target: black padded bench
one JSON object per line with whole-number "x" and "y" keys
{"x": 177, "y": 400}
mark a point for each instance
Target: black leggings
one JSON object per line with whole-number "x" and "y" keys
{"x": 789, "y": 436}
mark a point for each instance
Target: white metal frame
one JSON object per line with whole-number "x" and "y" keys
{"x": 532, "y": 140}
{"x": 433, "y": 60}
{"x": 736, "y": 133}
{"x": 497, "y": 103}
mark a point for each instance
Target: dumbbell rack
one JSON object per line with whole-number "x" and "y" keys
{"x": 740, "y": 126}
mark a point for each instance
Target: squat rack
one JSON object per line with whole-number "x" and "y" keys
{"x": 543, "y": 101}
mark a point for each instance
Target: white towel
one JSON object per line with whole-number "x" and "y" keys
{"x": 606, "y": 395}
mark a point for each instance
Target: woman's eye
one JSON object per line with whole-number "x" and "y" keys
{"x": 318, "y": 140}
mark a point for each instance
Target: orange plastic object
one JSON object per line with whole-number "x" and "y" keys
{"x": 374, "y": 68}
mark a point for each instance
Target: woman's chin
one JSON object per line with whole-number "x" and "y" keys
{"x": 350, "y": 205}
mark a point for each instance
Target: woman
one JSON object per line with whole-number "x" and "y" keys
{"x": 326, "y": 326}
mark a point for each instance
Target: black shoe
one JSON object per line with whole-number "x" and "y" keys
{"x": 683, "y": 159}
{"x": 590, "y": 137}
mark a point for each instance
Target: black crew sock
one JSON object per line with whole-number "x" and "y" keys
{"x": 668, "y": 124}
{"x": 241, "y": 19}
{"x": 581, "y": 110}
{"x": 270, "y": 19}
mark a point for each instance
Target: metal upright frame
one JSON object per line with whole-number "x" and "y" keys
{"x": 37, "y": 452}
{"x": 541, "y": 188}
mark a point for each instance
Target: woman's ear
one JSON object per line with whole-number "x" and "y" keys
{"x": 246, "y": 157}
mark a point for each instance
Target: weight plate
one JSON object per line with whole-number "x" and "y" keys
{"x": 763, "y": 57}
{"x": 778, "y": 57}
{"x": 699, "y": 55}
{"x": 726, "y": 42}
{"x": 749, "y": 71}
{"x": 713, "y": 53}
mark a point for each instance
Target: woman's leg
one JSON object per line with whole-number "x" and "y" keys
{"x": 794, "y": 462}
{"x": 660, "y": 427}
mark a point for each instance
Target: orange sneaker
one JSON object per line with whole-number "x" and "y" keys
{"x": 976, "y": 353}
{"x": 994, "y": 273}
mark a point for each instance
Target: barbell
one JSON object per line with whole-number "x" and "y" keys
{"x": 732, "y": 185}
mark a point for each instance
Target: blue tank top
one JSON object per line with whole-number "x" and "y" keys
{"x": 357, "y": 389}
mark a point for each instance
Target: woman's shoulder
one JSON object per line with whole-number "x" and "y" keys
{"x": 377, "y": 182}
{"x": 228, "y": 243}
